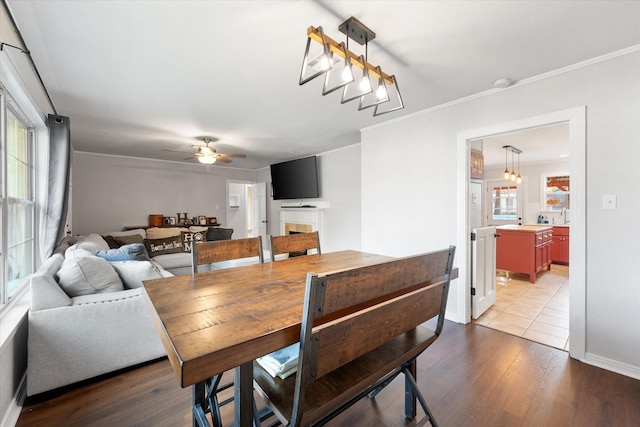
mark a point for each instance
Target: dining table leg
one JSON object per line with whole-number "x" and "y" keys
{"x": 199, "y": 405}
{"x": 243, "y": 395}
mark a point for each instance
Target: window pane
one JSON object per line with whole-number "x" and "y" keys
{"x": 20, "y": 243}
{"x": 19, "y": 259}
{"x": 557, "y": 189}
{"x": 505, "y": 203}
{"x": 18, "y": 159}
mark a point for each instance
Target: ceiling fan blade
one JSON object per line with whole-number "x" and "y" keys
{"x": 240, "y": 156}
{"x": 223, "y": 160}
{"x": 190, "y": 158}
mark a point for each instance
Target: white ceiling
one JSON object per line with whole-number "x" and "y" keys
{"x": 137, "y": 77}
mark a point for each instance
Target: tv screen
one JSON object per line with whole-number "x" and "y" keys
{"x": 295, "y": 179}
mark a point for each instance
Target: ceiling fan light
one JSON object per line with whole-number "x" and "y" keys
{"x": 207, "y": 159}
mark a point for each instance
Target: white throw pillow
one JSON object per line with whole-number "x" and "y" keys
{"x": 82, "y": 274}
{"x": 133, "y": 273}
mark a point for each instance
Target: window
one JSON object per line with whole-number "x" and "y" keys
{"x": 504, "y": 202}
{"x": 18, "y": 201}
{"x": 556, "y": 191}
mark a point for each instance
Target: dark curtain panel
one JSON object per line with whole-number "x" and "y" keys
{"x": 58, "y": 184}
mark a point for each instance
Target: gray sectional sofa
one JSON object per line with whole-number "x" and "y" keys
{"x": 88, "y": 315}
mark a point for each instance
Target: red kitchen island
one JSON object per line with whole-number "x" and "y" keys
{"x": 524, "y": 249}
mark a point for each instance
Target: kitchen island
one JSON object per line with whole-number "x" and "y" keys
{"x": 524, "y": 249}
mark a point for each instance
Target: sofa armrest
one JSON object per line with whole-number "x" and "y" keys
{"x": 46, "y": 293}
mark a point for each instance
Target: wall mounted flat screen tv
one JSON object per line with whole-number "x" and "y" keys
{"x": 295, "y": 179}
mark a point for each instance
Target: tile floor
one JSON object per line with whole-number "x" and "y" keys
{"x": 538, "y": 312}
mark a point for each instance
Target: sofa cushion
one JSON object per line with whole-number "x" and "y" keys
{"x": 197, "y": 228}
{"x": 133, "y": 252}
{"x": 174, "y": 261}
{"x": 139, "y": 231}
{"x": 133, "y": 273}
{"x": 92, "y": 242}
{"x": 219, "y": 233}
{"x": 189, "y": 238}
{"x": 168, "y": 245}
{"x": 163, "y": 232}
{"x": 82, "y": 273}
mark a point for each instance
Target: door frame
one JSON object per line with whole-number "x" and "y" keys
{"x": 576, "y": 118}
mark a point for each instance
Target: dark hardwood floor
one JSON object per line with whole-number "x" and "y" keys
{"x": 471, "y": 376}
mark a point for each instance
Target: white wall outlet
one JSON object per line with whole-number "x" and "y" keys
{"x": 609, "y": 201}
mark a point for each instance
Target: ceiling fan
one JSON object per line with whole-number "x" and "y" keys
{"x": 208, "y": 155}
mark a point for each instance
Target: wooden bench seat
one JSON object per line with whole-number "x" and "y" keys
{"x": 360, "y": 328}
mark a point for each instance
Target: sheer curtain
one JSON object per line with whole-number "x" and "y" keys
{"x": 59, "y": 167}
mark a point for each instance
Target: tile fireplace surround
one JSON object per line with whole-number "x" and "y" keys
{"x": 301, "y": 220}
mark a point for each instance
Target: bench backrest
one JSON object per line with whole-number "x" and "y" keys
{"x": 349, "y": 313}
{"x": 225, "y": 250}
{"x": 297, "y": 242}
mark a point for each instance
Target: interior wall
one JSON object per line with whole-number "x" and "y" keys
{"x": 418, "y": 195}
{"x": 111, "y": 192}
{"x": 339, "y": 175}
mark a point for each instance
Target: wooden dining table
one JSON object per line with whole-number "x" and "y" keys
{"x": 218, "y": 320}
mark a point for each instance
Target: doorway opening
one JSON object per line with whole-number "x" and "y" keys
{"x": 246, "y": 210}
{"x": 575, "y": 282}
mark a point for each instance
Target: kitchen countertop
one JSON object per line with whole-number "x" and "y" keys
{"x": 526, "y": 228}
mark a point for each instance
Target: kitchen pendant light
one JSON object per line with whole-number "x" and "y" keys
{"x": 518, "y": 178}
{"x": 506, "y": 173}
{"x": 514, "y": 175}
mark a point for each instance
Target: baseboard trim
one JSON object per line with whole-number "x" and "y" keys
{"x": 612, "y": 365}
{"x": 10, "y": 417}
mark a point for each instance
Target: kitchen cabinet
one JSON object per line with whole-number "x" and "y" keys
{"x": 524, "y": 249}
{"x": 560, "y": 246}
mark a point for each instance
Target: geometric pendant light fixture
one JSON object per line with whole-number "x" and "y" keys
{"x": 348, "y": 71}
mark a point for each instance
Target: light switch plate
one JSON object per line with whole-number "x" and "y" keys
{"x": 609, "y": 201}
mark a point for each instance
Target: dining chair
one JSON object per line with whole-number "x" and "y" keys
{"x": 294, "y": 244}
{"x": 219, "y": 251}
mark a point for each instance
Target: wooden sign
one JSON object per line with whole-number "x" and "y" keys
{"x": 477, "y": 165}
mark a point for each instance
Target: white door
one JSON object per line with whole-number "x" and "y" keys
{"x": 483, "y": 270}
{"x": 259, "y": 225}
